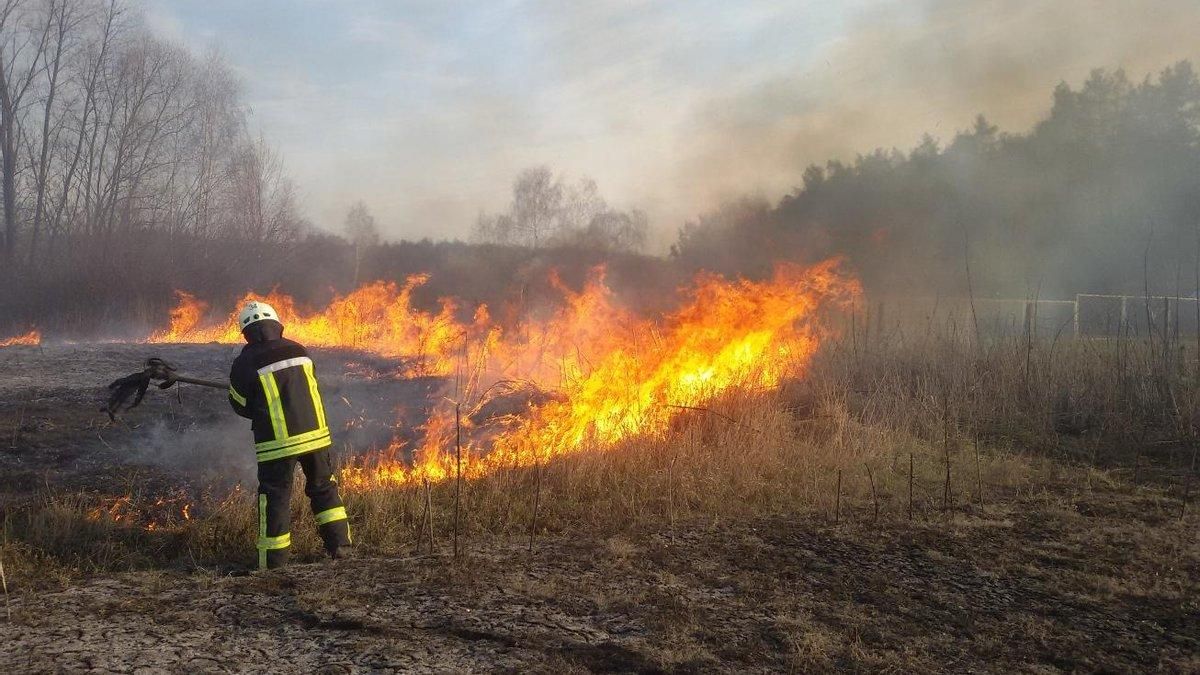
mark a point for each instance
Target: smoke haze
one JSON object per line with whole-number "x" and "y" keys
{"x": 427, "y": 113}
{"x": 904, "y": 69}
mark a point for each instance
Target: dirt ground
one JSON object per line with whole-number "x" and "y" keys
{"x": 1047, "y": 579}
{"x": 1046, "y": 592}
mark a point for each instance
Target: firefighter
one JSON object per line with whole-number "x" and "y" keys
{"x": 272, "y": 384}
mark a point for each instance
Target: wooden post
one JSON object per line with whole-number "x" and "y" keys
{"x": 424, "y": 519}
{"x": 1075, "y": 316}
{"x": 1187, "y": 486}
{"x": 946, "y": 492}
{"x": 4, "y": 582}
{"x": 854, "y": 332}
{"x": 457, "y": 470}
{"x": 910, "y": 486}
{"x": 978, "y": 475}
{"x": 867, "y": 326}
{"x": 874, "y": 494}
{"x": 429, "y": 512}
{"x": 671, "y": 497}
{"x": 837, "y": 504}
{"x": 537, "y": 497}
{"x": 1166, "y": 324}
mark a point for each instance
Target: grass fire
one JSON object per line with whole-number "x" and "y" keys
{"x": 604, "y": 374}
{"x": 607, "y": 338}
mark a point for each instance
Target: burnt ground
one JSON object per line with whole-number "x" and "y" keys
{"x": 1045, "y": 579}
{"x": 52, "y": 432}
{"x": 1043, "y": 593}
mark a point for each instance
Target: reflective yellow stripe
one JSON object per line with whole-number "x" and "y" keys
{"x": 316, "y": 396}
{"x": 275, "y": 543}
{"x": 262, "y": 530}
{"x": 274, "y": 404}
{"x": 330, "y": 515}
{"x": 294, "y": 440}
{"x": 233, "y": 394}
{"x": 300, "y": 449}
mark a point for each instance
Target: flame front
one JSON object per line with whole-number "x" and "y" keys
{"x": 606, "y": 374}
{"x": 378, "y": 317}
{"x": 621, "y": 376}
{"x": 32, "y": 338}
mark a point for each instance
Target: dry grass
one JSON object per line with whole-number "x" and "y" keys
{"x": 975, "y": 424}
{"x": 724, "y": 542}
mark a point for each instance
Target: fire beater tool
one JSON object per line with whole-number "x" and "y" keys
{"x": 135, "y": 385}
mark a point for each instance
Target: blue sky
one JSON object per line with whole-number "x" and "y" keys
{"x": 427, "y": 110}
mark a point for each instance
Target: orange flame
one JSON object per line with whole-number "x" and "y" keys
{"x": 613, "y": 375}
{"x": 161, "y": 514}
{"x": 32, "y": 338}
{"x": 378, "y": 317}
{"x": 621, "y": 376}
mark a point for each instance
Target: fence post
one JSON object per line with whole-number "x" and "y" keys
{"x": 1075, "y": 316}
{"x": 1166, "y": 334}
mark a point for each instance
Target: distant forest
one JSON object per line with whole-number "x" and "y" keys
{"x": 128, "y": 169}
{"x": 1103, "y": 195}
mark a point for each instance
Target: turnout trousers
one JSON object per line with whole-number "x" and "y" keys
{"x": 274, "y": 501}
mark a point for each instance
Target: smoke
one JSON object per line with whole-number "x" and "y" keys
{"x": 216, "y": 453}
{"x": 195, "y": 437}
{"x": 672, "y": 106}
{"x": 903, "y": 69}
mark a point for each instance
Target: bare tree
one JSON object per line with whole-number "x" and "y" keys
{"x": 360, "y": 229}
{"x": 535, "y": 211}
{"x": 262, "y": 206}
{"x": 545, "y": 211}
{"x": 23, "y": 42}
{"x": 615, "y": 231}
{"x": 63, "y": 16}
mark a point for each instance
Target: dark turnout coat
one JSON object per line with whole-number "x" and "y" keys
{"x": 272, "y": 384}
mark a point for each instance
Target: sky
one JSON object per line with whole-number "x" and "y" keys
{"x": 426, "y": 111}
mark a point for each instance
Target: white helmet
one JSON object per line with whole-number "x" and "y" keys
{"x": 254, "y": 311}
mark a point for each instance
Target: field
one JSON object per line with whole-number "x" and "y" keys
{"x": 771, "y": 530}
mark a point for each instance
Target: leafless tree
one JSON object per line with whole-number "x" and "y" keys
{"x": 546, "y": 211}
{"x": 360, "y": 229}
{"x": 23, "y": 41}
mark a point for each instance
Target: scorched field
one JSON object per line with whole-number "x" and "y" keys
{"x": 762, "y": 478}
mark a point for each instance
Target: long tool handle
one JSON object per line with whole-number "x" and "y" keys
{"x": 202, "y": 383}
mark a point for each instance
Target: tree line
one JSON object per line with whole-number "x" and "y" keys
{"x": 110, "y": 134}
{"x": 1101, "y": 195}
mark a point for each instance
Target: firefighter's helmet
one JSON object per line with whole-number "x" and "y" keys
{"x": 254, "y": 311}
